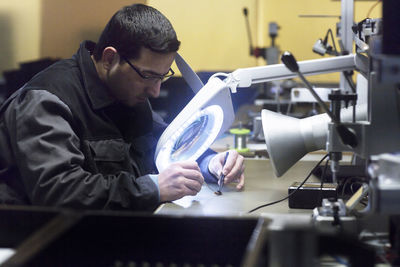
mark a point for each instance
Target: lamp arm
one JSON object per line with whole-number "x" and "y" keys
{"x": 245, "y": 77}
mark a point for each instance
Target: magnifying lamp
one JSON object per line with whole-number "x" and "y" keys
{"x": 210, "y": 112}
{"x": 204, "y": 118}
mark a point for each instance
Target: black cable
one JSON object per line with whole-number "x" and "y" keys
{"x": 322, "y": 182}
{"x": 348, "y": 181}
{"x": 302, "y": 183}
{"x": 333, "y": 41}
{"x": 336, "y": 218}
{"x": 347, "y": 75}
{"x": 248, "y": 30}
{"x": 372, "y": 7}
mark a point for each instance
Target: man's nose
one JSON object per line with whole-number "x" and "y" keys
{"x": 154, "y": 90}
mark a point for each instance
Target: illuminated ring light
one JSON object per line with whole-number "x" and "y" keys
{"x": 192, "y": 138}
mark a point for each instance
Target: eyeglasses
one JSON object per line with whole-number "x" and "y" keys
{"x": 151, "y": 76}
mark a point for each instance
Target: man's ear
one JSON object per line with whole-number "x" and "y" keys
{"x": 110, "y": 57}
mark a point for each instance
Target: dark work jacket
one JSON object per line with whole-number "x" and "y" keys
{"x": 66, "y": 142}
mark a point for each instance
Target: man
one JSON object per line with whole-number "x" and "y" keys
{"x": 82, "y": 134}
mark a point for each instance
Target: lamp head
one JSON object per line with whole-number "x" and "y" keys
{"x": 190, "y": 134}
{"x": 288, "y": 139}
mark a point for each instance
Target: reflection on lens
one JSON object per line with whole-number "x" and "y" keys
{"x": 189, "y": 137}
{"x": 188, "y": 140}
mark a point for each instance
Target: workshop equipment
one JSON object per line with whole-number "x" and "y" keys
{"x": 240, "y": 139}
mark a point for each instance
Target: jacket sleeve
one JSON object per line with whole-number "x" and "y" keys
{"x": 203, "y": 162}
{"x": 50, "y": 161}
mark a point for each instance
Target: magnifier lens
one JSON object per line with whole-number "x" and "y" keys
{"x": 188, "y": 138}
{"x": 192, "y": 138}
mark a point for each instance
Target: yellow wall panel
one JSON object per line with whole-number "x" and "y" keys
{"x": 214, "y": 37}
{"x": 20, "y": 32}
{"x": 66, "y": 23}
{"x": 213, "y": 33}
{"x": 298, "y": 34}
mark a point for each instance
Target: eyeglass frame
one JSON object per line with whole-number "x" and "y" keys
{"x": 155, "y": 78}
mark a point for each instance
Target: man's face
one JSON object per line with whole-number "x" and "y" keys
{"x": 128, "y": 86}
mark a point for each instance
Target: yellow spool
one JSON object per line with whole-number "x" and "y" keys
{"x": 240, "y": 139}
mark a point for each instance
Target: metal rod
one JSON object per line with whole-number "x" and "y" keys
{"x": 316, "y": 96}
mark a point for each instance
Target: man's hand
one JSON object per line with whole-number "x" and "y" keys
{"x": 180, "y": 179}
{"x": 233, "y": 169}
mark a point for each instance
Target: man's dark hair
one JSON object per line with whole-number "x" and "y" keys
{"x": 134, "y": 27}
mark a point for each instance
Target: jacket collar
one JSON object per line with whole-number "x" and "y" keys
{"x": 97, "y": 91}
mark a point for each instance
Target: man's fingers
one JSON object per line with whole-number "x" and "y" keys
{"x": 180, "y": 179}
{"x": 190, "y": 178}
{"x": 192, "y": 175}
{"x": 188, "y": 164}
{"x": 236, "y": 170}
{"x": 193, "y": 186}
{"x": 240, "y": 185}
{"x": 230, "y": 162}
